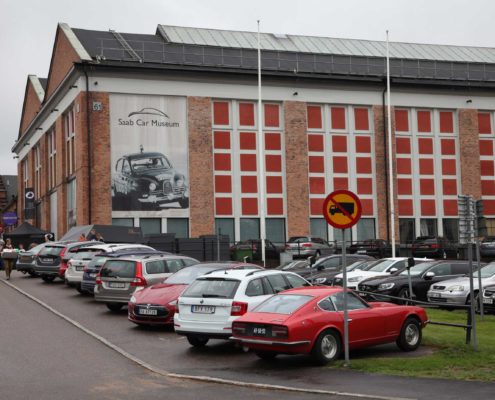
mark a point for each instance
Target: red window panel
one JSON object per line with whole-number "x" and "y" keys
{"x": 450, "y": 208}
{"x": 449, "y": 167}
{"x": 340, "y": 165}
{"x": 361, "y": 119}
{"x": 428, "y": 207}
{"x": 316, "y": 206}
{"x": 424, "y": 121}
{"x": 339, "y": 144}
{"x": 427, "y": 186}
{"x": 405, "y": 207}
{"x": 272, "y": 115}
{"x": 274, "y": 184}
{"x": 426, "y": 166}
{"x": 446, "y": 122}
{"x": 316, "y": 185}
{"x": 338, "y": 117}
{"x": 363, "y": 165}
{"x": 247, "y": 140}
{"x": 425, "y": 145}
{"x": 221, "y": 113}
{"x": 486, "y": 147}
{"x": 449, "y": 186}
{"x": 364, "y": 185}
{"x": 273, "y": 163}
{"x": 223, "y": 184}
{"x": 249, "y": 184}
{"x": 402, "y": 120}
{"x": 246, "y": 114}
{"x": 363, "y": 144}
{"x": 272, "y": 141}
{"x": 223, "y": 206}
{"x": 448, "y": 147}
{"x": 316, "y": 164}
{"x": 488, "y": 188}
{"x": 340, "y": 183}
{"x": 314, "y": 117}
{"x": 486, "y": 168}
{"x": 248, "y": 162}
{"x": 249, "y": 206}
{"x": 484, "y": 122}
{"x": 489, "y": 207}
{"x": 404, "y": 186}
{"x": 222, "y": 162}
{"x": 367, "y": 207}
{"x": 403, "y": 145}
{"x": 275, "y": 206}
{"x": 315, "y": 143}
{"x": 222, "y": 140}
{"x": 404, "y": 166}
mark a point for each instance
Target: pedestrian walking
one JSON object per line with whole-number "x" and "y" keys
{"x": 9, "y": 255}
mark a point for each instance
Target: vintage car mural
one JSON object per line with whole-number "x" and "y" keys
{"x": 147, "y": 181}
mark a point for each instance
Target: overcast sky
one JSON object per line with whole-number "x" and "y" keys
{"x": 27, "y": 30}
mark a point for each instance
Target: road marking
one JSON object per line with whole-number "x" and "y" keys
{"x": 208, "y": 379}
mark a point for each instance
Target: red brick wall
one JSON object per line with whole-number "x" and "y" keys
{"x": 469, "y": 152}
{"x": 32, "y": 105}
{"x": 296, "y": 164}
{"x": 202, "y": 211}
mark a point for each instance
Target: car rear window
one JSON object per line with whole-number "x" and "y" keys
{"x": 119, "y": 268}
{"x": 80, "y": 255}
{"x": 283, "y": 304}
{"x": 212, "y": 287}
{"x": 296, "y": 239}
{"x": 51, "y": 251}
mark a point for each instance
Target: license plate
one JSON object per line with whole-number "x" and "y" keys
{"x": 487, "y": 301}
{"x": 79, "y": 268}
{"x": 146, "y": 311}
{"x": 116, "y": 285}
{"x": 361, "y": 251}
{"x": 258, "y": 331}
{"x": 203, "y": 309}
{"x": 435, "y": 295}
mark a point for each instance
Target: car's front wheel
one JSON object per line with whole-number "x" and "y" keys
{"x": 410, "y": 335}
{"x": 327, "y": 347}
{"x": 197, "y": 341}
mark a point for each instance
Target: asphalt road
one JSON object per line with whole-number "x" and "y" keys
{"x": 164, "y": 349}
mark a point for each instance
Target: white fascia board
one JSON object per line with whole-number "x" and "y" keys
{"x": 40, "y": 92}
{"x": 74, "y": 41}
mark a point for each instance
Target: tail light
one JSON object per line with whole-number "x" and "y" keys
{"x": 238, "y": 308}
{"x": 279, "y": 331}
{"x": 434, "y": 246}
{"x": 239, "y": 328}
{"x": 98, "y": 279}
{"x": 62, "y": 253}
{"x": 139, "y": 279}
{"x": 306, "y": 245}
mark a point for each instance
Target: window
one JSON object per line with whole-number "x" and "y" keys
{"x": 277, "y": 282}
{"x": 37, "y": 172}
{"x": 70, "y": 134}
{"x": 296, "y": 281}
{"x": 25, "y": 172}
{"x": 353, "y": 302}
{"x": 332, "y": 262}
{"x": 366, "y": 229}
{"x": 179, "y": 226}
{"x": 283, "y": 304}
{"x": 174, "y": 265}
{"x": 155, "y": 267}
{"x": 255, "y": 288}
{"x": 275, "y": 230}
{"x": 490, "y": 226}
{"x": 428, "y": 227}
{"x": 319, "y": 228}
{"x": 337, "y": 234}
{"x": 150, "y": 226}
{"x": 225, "y": 226}
{"x": 71, "y": 204}
{"x": 406, "y": 230}
{"x": 52, "y": 160}
{"x": 123, "y": 222}
{"x": 250, "y": 228}
{"x": 441, "y": 270}
{"x": 326, "y": 305}
{"x": 451, "y": 229}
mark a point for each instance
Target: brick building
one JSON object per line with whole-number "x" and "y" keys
{"x": 187, "y": 97}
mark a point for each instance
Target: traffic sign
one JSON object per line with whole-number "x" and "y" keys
{"x": 9, "y": 218}
{"x": 342, "y": 209}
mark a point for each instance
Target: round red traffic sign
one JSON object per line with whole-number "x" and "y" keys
{"x": 342, "y": 209}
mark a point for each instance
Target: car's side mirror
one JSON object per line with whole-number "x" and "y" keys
{"x": 392, "y": 270}
{"x": 429, "y": 275}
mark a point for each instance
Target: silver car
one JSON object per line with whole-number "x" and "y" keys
{"x": 119, "y": 278}
{"x": 305, "y": 246}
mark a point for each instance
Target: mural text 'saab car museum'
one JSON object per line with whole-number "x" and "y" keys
{"x": 160, "y": 131}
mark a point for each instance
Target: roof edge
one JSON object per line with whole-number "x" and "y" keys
{"x": 38, "y": 88}
{"x": 74, "y": 41}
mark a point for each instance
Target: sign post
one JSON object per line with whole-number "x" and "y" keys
{"x": 342, "y": 209}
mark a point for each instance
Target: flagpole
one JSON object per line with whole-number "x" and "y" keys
{"x": 261, "y": 174}
{"x": 390, "y": 161}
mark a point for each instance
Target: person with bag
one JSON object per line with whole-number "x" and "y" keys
{"x": 9, "y": 255}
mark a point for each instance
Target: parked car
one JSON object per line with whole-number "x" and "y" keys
{"x": 156, "y": 304}
{"x": 147, "y": 180}
{"x": 252, "y": 249}
{"x": 68, "y": 253}
{"x": 27, "y": 259}
{"x": 487, "y": 247}
{"x": 385, "y": 267}
{"x": 378, "y": 248}
{"x": 75, "y": 266}
{"x": 326, "y": 276}
{"x": 456, "y": 291}
{"x": 280, "y": 324}
{"x": 422, "y": 277}
{"x": 294, "y": 265}
{"x": 305, "y": 246}
{"x": 489, "y": 298}
{"x": 330, "y": 263}
{"x": 434, "y": 247}
{"x": 211, "y": 303}
{"x": 120, "y": 278}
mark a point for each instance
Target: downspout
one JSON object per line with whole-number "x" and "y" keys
{"x": 88, "y": 131}
{"x": 387, "y": 207}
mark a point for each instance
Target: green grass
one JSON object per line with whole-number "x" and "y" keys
{"x": 450, "y": 358}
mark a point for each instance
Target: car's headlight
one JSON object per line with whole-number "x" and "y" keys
{"x": 133, "y": 300}
{"x": 456, "y": 288}
{"x": 320, "y": 280}
{"x": 355, "y": 279}
{"x": 386, "y": 286}
{"x": 152, "y": 186}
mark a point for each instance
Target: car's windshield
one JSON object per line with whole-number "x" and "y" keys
{"x": 382, "y": 266}
{"x": 152, "y": 162}
{"x": 354, "y": 265}
{"x": 81, "y": 255}
{"x": 283, "y": 304}
{"x": 366, "y": 265}
{"x": 212, "y": 287}
{"x": 51, "y": 251}
{"x": 294, "y": 265}
{"x": 187, "y": 275}
{"x": 486, "y": 271}
{"x": 418, "y": 269}
{"x": 37, "y": 248}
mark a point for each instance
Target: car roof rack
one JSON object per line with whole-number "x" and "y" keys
{"x": 255, "y": 271}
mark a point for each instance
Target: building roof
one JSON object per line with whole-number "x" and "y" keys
{"x": 43, "y": 82}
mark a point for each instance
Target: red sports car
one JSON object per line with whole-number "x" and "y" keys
{"x": 156, "y": 304}
{"x": 309, "y": 320}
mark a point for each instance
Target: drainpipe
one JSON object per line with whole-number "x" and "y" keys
{"x": 385, "y": 157}
{"x": 88, "y": 131}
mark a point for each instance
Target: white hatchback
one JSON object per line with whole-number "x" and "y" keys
{"x": 213, "y": 301}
